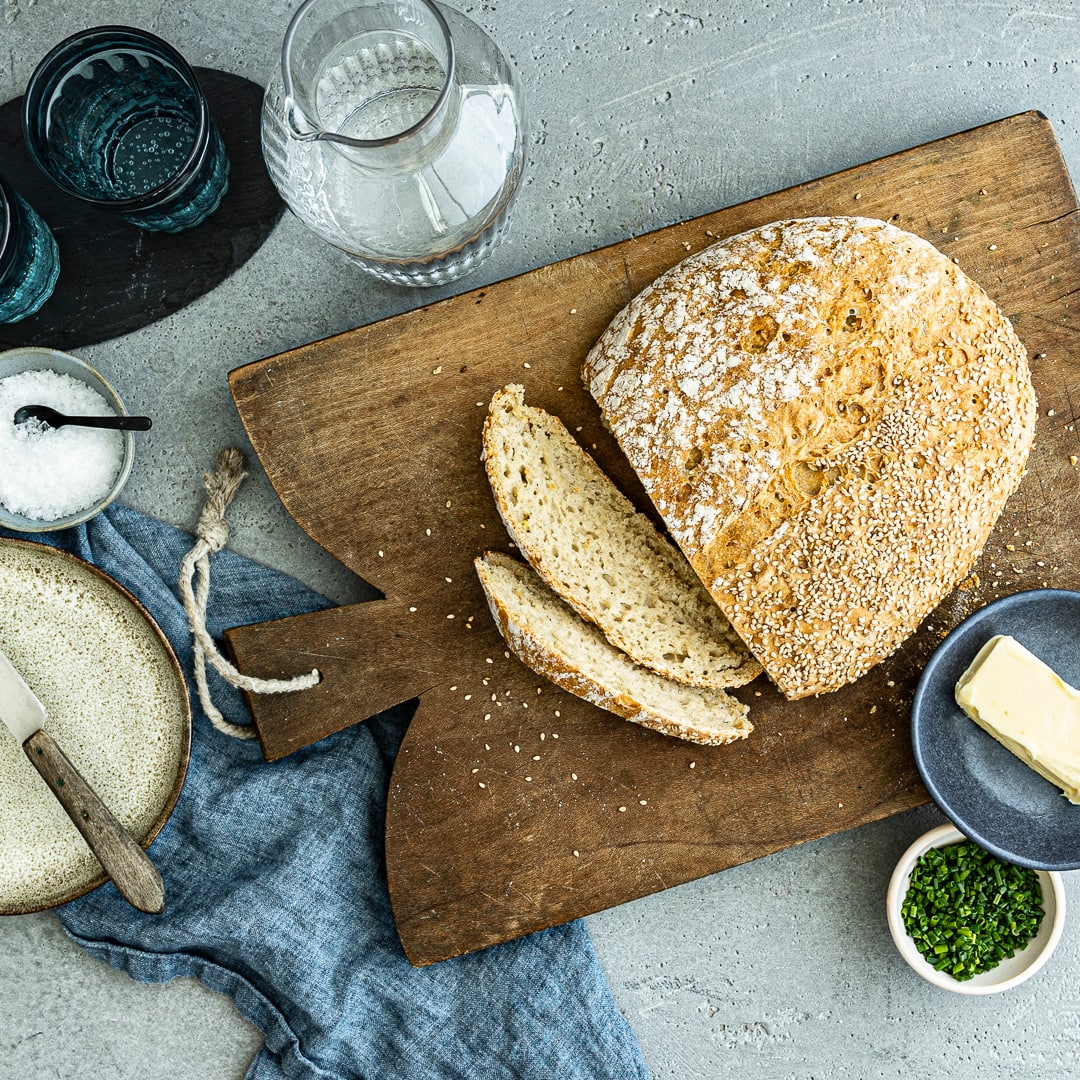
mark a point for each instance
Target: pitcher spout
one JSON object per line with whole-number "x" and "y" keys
{"x": 297, "y": 124}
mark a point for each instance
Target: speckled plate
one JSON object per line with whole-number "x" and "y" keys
{"x": 988, "y": 793}
{"x": 117, "y": 704}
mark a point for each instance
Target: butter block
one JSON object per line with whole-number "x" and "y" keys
{"x": 1024, "y": 704}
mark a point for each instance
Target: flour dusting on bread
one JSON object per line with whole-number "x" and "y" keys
{"x": 829, "y": 416}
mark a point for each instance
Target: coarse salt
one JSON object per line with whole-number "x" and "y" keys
{"x": 50, "y": 473}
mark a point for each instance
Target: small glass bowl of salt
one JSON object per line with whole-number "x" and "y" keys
{"x": 53, "y": 478}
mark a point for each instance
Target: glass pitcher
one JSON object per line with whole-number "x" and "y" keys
{"x": 394, "y": 130}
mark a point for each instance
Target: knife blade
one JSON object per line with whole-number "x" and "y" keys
{"x": 134, "y": 875}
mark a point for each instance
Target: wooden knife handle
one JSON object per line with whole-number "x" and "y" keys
{"x": 132, "y": 872}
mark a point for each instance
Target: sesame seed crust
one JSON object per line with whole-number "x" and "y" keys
{"x": 830, "y": 416}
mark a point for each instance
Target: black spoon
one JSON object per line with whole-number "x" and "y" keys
{"x": 51, "y": 418}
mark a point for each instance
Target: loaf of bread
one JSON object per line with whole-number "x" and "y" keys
{"x": 554, "y": 641}
{"x": 829, "y": 416}
{"x": 603, "y": 557}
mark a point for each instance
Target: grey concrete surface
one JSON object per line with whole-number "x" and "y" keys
{"x": 644, "y": 112}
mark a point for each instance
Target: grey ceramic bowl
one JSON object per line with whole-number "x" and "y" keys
{"x": 32, "y": 358}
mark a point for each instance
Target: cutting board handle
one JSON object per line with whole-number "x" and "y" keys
{"x": 370, "y": 657}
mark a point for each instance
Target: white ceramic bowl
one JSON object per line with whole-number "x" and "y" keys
{"x": 1009, "y": 972}
{"x": 32, "y": 358}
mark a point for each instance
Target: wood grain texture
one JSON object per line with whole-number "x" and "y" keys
{"x": 513, "y": 806}
{"x": 134, "y": 875}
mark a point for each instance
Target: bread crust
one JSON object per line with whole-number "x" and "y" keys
{"x": 829, "y": 416}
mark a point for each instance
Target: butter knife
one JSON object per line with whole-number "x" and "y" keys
{"x": 134, "y": 875}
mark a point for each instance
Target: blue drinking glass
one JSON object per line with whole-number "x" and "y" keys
{"x": 29, "y": 260}
{"x": 115, "y": 116}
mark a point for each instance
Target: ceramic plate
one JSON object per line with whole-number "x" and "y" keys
{"x": 117, "y": 705}
{"x": 986, "y": 791}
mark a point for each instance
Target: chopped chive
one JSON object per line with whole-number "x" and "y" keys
{"x": 967, "y": 910}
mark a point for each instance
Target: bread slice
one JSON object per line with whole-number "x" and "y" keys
{"x": 550, "y": 638}
{"x": 829, "y": 416}
{"x": 609, "y": 562}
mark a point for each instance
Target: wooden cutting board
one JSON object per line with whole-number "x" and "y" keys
{"x": 514, "y": 806}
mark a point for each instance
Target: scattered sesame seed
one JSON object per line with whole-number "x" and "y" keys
{"x": 573, "y": 311}
{"x": 554, "y": 734}
{"x": 476, "y": 770}
{"x": 536, "y": 757}
{"x": 622, "y": 809}
{"x": 448, "y": 503}
{"x": 468, "y": 697}
{"x": 577, "y": 854}
{"x": 450, "y": 616}
{"x": 693, "y": 764}
{"x": 437, "y": 371}
{"x": 380, "y": 554}
{"x": 542, "y": 736}
{"x": 488, "y": 660}
{"x": 993, "y": 247}
{"x": 412, "y": 609}
{"x": 1051, "y": 412}
{"x": 517, "y": 749}
{"x": 573, "y": 776}
{"x": 486, "y": 745}
{"x": 481, "y": 784}
{"x": 453, "y": 687}
{"x": 487, "y": 716}
{"x": 526, "y": 365}
{"x": 428, "y": 531}
{"x": 449, "y": 579}
{"x": 528, "y": 779}
{"x": 643, "y": 802}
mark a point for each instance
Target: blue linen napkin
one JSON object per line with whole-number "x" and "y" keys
{"x": 277, "y": 893}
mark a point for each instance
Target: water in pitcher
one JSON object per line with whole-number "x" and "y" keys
{"x": 376, "y": 87}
